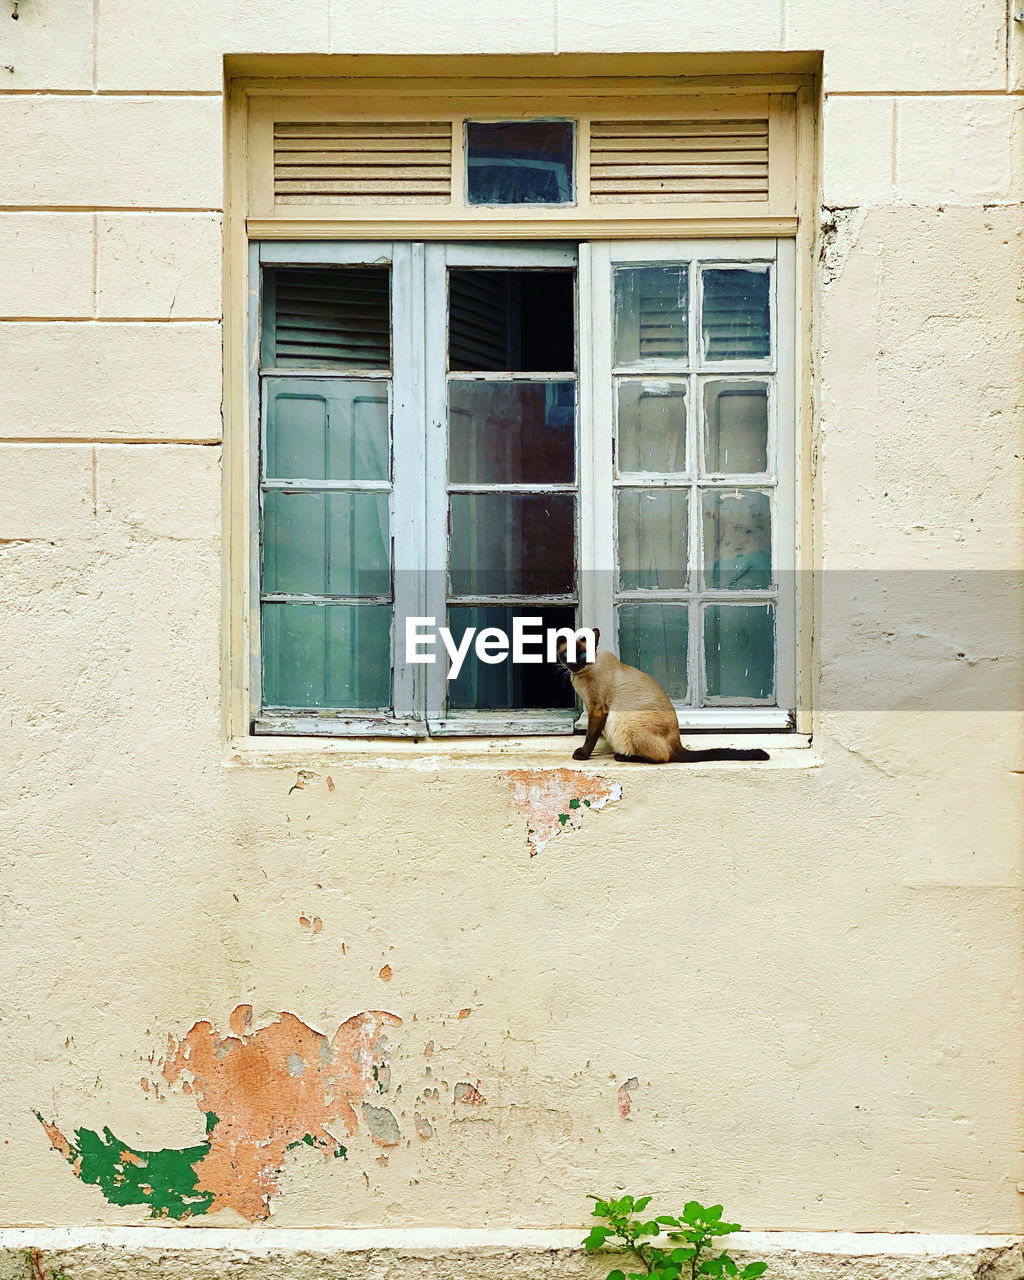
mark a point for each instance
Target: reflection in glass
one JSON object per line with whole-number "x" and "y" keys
{"x": 737, "y": 539}
{"x": 326, "y": 543}
{"x": 512, "y": 544}
{"x": 652, "y": 529}
{"x": 736, "y": 427}
{"x": 650, "y": 313}
{"x": 739, "y": 650}
{"x": 735, "y": 314}
{"x": 653, "y": 637}
{"x": 507, "y": 685}
{"x": 520, "y": 162}
{"x": 327, "y": 429}
{"x": 519, "y": 321}
{"x": 651, "y": 425}
{"x": 512, "y": 432}
{"x": 326, "y": 317}
{"x": 334, "y": 655}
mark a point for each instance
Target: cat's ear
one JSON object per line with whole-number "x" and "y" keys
{"x": 597, "y": 636}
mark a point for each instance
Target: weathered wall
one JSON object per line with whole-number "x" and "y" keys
{"x": 794, "y": 987}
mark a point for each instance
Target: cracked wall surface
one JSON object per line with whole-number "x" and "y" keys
{"x": 795, "y": 988}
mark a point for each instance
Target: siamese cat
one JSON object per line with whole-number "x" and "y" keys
{"x": 632, "y": 711}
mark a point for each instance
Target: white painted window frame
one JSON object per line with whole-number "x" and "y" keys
{"x": 419, "y": 490}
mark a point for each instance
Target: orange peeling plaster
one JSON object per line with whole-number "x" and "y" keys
{"x": 269, "y": 1088}
{"x": 552, "y": 800}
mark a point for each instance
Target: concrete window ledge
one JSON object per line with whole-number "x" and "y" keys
{"x": 195, "y": 1253}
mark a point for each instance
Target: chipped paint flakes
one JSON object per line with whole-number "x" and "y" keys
{"x": 382, "y": 1126}
{"x": 423, "y": 1126}
{"x": 313, "y": 923}
{"x": 385, "y": 973}
{"x": 468, "y": 1093}
{"x": 262, "y": 1091}
{"x": 625, "y": 1100}
{"x": 554, "y": 800}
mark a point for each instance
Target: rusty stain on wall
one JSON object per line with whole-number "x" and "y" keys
{"x": 262, "y": 1092}
{"x": 554, "y": 800}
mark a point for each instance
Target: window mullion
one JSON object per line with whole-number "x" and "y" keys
{"x": 434, "y": 321}
{"x": 597, "y": 496}
{"x": 408, "y": 442}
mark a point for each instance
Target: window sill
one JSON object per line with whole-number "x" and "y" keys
{"x": 786, "y": 750}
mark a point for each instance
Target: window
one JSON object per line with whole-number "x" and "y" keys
{"x": 593, "y": 434}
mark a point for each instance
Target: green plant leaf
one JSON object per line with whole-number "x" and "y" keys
{"x": 615, "y": 1275}
{"x": 712, "y": 1214}
{"x": 730, "y": 1267}
{"x": 642, "y": 1204}
{"x": 597, "y": 1237}
{"x": 752, "y": 1270}
{"x": 693, "y": 1211}
{"x": 667, "y": 1221}
{"x": 711, "y": 1267}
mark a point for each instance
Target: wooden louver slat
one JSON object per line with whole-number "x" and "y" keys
{"x": 362, "y": 162}
{"x": 685, "y": 160}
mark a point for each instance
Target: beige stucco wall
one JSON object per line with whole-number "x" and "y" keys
{"x": 812, "y": 968}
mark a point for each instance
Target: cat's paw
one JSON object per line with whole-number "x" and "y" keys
{"x": 581, "y": 753}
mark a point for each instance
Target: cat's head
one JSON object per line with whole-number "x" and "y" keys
{"x": 574, "y": 653}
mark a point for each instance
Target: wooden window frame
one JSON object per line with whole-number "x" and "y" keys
{"x": 647, "y": 85}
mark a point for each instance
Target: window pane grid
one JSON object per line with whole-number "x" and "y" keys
{"x": 723, "y": 611}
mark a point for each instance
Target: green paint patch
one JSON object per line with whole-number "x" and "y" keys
{"x": 307, "y": 1140}
{"x": 165, "y": 1180}
{"x": 563, "y": 818}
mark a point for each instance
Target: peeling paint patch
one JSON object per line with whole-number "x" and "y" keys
{"x": 382, "y": 1126}
{"x": 625, "y": 1100}
{"x": 263, "y": 1092}
{"x": 423, "y": 1126}
{"x": 313, "y": 923}
{"x": 466, "y": 1092}
{"x": 385, "y": 974}
{"x": 554, "y": 800}
{"x": 165, "y": 1180}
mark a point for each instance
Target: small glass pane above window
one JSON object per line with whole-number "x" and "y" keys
{"x": 736, "y": 314}
{"x": 651, "y": 313}
{"x": 327, "y": 429}
{"x": 652, "y": 529}
{"x": 739, "y": 651}
{"x": 651, "y": 425}
{"x": 511, "y": 321}
{"x": 326, "y": 317}
{"x": 653, "y": 637}
{"x": 735, "y": 427}
{"x": 737, "y": 539}
{"x": 520, "y": 162}
{"x": 512, "y": 432}
{"x": 326, "y": 655}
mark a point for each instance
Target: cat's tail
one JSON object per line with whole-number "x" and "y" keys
{"x": 684, "y": 756}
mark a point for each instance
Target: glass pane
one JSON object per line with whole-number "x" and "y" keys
{"x": 653, "y": 538}
{"x": 511, "y": 321}
{"x": 652, "y": 425}
{"x": 506, "y": 685}
{"x": 653, "y": 637}
{"x": 326, "y": 543}
{"x": 327, "y": 317}
{"x": 512, "y": 544}
{"x": 520, "y": 162}
{"x": 650, "y": 313}
{"x": 739, "y": 650}
{"x": 335, "y": 655}
{"x": 512, "y": 432}
{"x": 320, "y": 429}
{"x": 735, "y": 314}
{"x": 737, "y": 539}
{"x": 736, "y": 427}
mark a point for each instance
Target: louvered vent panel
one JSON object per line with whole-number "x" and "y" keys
{"x": 395, "y": 162}
{"x": 331, "y": 317}
{"x": 678, "y": 160}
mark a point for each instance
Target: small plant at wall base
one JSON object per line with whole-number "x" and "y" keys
{"x": 697, "y": 1227}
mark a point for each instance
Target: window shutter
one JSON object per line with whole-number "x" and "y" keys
{"x": 684, "y": 160}
{"x": 360, "y": 162}
{"x": 328, "y": 317}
